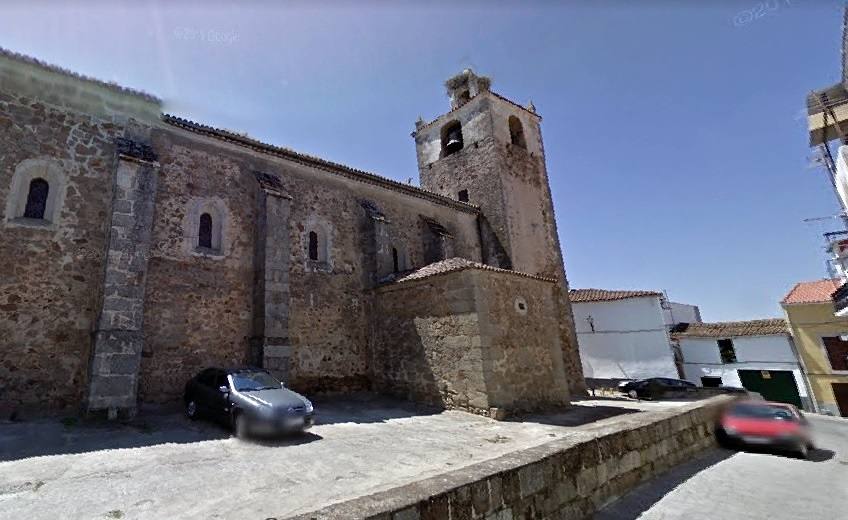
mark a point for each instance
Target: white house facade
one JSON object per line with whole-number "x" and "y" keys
{"x": 758, "y": 355}
{"x": 623, "y": 334}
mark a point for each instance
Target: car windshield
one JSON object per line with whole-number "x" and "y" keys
{"x": 761, "y": 411}
{"x": 252, "y": 381}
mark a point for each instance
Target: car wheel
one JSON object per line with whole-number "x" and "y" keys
{"x": 191, "y": 409}
{"x": 240, "y": 426}
{"x": 803, "y": 451}
{"x": 633, "y": 394}
{"x": 722, "y": 438}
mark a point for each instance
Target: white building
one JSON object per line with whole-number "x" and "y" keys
{"x": 675, "y": 313}
{"x": 758, "y": 355}
{"x": 624, "y": 334}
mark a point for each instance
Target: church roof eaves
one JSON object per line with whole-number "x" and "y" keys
{"x": 311, "y": 160}
{"x": 75, "y": 75}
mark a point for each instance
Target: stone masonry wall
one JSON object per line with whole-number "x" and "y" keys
{"x": 473, "y": 339}
{"x": 199, "y": 308}
{"x": 425, "y": 342}
{"x": 511, "y": 185}
{"x": 528, "y": 187}
{"x": 522, "y": 351}
{"x": 51, "y": 277}
{"x": 571, "y": 477}
{"x": 119, "y": 336}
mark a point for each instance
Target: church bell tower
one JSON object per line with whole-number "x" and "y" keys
{"x": 488, "y": 151}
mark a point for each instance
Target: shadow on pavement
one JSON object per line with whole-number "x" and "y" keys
{"x": 644, "y": 496}
{"x": 291, "y": 440}
{"x": 367, "y": 408}
{"x": 46, "y": 436}
{"x": 816, "y": 455}
{"x": 154, "y": 426}
{"x": 577, "y": 415}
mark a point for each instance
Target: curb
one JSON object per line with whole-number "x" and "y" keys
{"x": 824, "y": 417}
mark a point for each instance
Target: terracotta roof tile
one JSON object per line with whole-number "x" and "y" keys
{"x": 604, "y": 295}
{"x": 726, "y": 329}
{"x": 457, "y": 264}
{"x": 817, "y": 291}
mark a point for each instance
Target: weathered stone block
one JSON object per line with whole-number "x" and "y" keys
{"x": 461, "y": 507}
{"x": 436, "y": 508}
{"x": 531, "y": 479}
{"x": 106, "y": 386}
{"x": 410, "y": 513}
{"x": 587, "y": 481}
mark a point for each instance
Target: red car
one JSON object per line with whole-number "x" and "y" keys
{"x": 761, "y": 423}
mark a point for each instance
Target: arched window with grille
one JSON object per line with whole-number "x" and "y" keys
{"x": 36, "y": 194}
{"x": 313, "y": 246}
{"x": 36, "y": 202}
{"x": 204, "y": 232}
{"x": 205, "y": 227}
{"x": 317, "y": 244}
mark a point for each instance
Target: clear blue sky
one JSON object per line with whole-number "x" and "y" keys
{"x": 675, "y": 138}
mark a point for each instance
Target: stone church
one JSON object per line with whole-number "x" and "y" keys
{"x": 137, "y": 248}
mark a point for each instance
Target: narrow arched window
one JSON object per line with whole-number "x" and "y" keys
{"x": 204, "y": 232}
{"x": 516, "y": 132}
{"x": 451, "y": 138}
{"x": 313, "y": 245}
{"x": 36, "y": 199}
{"x": 395, "y": 261}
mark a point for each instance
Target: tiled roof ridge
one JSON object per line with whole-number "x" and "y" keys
{"x": 325, "y": 164}
{"x": 592, "y": 294}
{"x": 499, "y": 96}
{"x": 758, "y": 327}
{"x": 76, "y": 75}
{"x": 452, "y": 265}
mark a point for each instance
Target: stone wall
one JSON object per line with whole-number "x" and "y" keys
{"x": 52, "y": 272}
{"x": 201, "y": 307}
{"x": 510, "y": 184}
{"x": 518, "y": 323}
{"x": 119, "y": 338}
{"x": 473, "y": 339}
{"x": 571, "y": 477}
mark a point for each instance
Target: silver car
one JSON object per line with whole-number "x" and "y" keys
{"x": 249, "y": 400}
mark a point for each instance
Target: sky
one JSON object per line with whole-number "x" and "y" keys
{"x": 674, "y": 131}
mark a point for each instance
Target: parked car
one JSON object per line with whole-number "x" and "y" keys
{"x": 763, "y": 423}
{"x": 249, "y": 400}
{"x": 654, "y": 387}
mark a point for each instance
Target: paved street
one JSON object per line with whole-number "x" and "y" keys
{"x": 168, "y": 467}
{"x": 726, "y": 485}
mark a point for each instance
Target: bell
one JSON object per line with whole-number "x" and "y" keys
{"x": 454, "y": 141}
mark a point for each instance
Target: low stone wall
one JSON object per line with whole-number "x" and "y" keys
{"x": 568, "y": 478}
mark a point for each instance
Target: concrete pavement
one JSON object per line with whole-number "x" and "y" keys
{"x": 168, "y": 467}
{"x": 728, "y": 485}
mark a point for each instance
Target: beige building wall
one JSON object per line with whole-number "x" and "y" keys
{"x": 809, "y": 323}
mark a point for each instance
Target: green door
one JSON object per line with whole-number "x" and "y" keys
{"x": 773, "y": 385}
